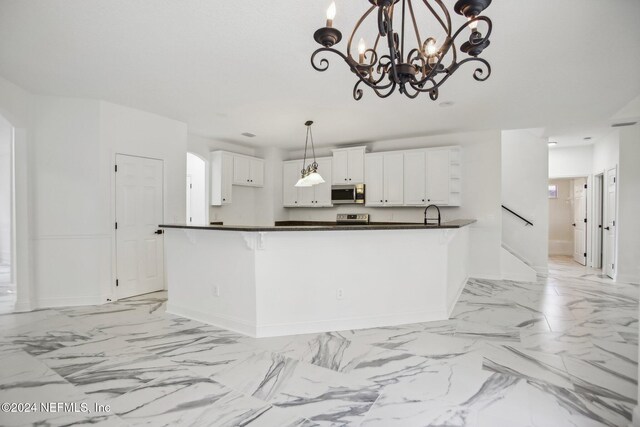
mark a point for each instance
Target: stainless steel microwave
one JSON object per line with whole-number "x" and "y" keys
{"x": 347, "y": 194}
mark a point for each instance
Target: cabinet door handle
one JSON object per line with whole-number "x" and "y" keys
{"x": 423, "y": 200}
{"x": 224, "y": 200}
{"x": 380, "y": 200}
{"x": 345, "y": 179}
{"x": 607, "y": 228}
{"x": 349, "y": 179}
{"x": 386, "y": 201}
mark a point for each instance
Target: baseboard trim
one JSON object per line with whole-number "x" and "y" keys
{"x": 318, "y": 326}
{"x": 365, "y": 322}
{"x": 628, "y": 278}
{"x": 486, "y": 276}
{"x": 453, "y": 303}
{"x": 236, "y": 325}
{"x": 70, "y": 301}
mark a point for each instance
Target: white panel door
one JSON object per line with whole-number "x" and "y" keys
{"x": 323, "y": 191}
{"x": 438, "y": 177}
{"x": 374, "y": 179}
{"x": 414, "y": 178}
{"x": 579, "y": 224}
{"x": 290, "y": 175}
{"x": 340, "y": 167}
{"x": 355, "y": 166}
{"x": 139, "y": 204}
{"x": 610, "y": 223}
{"x": 393, "y": 179}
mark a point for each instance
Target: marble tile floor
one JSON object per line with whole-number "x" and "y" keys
{"x": 559, "y": 352}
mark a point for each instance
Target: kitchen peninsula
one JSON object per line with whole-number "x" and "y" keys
{"x": 292, "y": 278}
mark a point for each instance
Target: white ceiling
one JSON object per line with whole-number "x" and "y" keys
{"x": 243, "y": 66}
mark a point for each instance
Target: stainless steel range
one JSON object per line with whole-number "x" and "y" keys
{"x": 352, "y": 219}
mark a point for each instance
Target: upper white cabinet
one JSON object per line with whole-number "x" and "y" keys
{"x": 316, "y": 196}
{"x": 248, "y": 171}
{"x": 348, "y": 165}
{"x": 414, "y": 177}
{"x": 415, "y": 191}
{"x": 384, "y": 179}
{"x": 229, "y": 169}
{"x": 438, "y": 176}
{"x": 221, "y": 177}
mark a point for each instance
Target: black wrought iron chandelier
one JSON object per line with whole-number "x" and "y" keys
{"x": 391, "y": 63}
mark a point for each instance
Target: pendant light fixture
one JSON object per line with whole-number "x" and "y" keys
{"x": 404, "y": 59}
{"x": 309, "y": 173}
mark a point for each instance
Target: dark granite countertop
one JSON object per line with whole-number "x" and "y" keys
{"x": 326, "y": 226}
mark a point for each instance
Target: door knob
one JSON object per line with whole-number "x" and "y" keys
{"x": 159, "y": 232}
{"x": 607, "y": 228}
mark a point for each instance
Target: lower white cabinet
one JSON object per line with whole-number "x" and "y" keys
{"x": 384, "y": 180}
{"x": 310, "y": 197}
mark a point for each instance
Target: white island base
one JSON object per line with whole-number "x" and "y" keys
{"x": 271, "y": 283}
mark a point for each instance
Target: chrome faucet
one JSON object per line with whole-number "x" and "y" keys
{"x": 426, "y": 220}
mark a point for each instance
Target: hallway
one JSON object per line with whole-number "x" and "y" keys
{"x": 559, "y": 352}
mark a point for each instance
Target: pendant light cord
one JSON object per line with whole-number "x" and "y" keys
{"x": 313, "y": 148}
{"x": 304, "y": 159}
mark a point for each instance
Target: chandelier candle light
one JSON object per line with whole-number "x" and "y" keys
{"x": 392, "y": 64}
{"x": 310, "y": 175}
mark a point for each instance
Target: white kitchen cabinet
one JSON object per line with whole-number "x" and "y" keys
{"x": 310, "y": 197}
{"x": 248, "y": 171}
{"x": 374, "y": 179}
{"x": 384, "y": 179}
{"x": 221, "y": 178}
{"x": 393, "y": 179}
{"x": 256, "y": 172}
{"x": 290, "y": 175}
{"x": 415, "y": 178}
{"x": 348, "y": 165}
{"x": 438, "y": 176}
{"x": 322, "y": 195}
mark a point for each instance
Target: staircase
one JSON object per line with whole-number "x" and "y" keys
{"x": 514, "y": 267}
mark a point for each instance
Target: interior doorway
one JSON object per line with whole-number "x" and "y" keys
{"x": 8, "y": 288}
{"x": 196, "y": 190}
{"x": 568, "y": 213}
{"x": 139, "y": 210}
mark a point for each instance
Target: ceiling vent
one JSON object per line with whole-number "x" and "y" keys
{"x": 248, "y": 134}
{"x": 619, "y": 125}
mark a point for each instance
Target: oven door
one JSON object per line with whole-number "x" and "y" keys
{"x": 343, "y": 194}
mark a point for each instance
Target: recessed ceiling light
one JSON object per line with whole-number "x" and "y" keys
{"x": 447, "y": 104}
{"x": 552, "y": 143}
{"x": 248, "y": 134}
{"x": 587, "y": 138}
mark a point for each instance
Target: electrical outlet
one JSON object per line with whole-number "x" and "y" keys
{"x": 340, "y": 293}
{"x": 216, "y": 291}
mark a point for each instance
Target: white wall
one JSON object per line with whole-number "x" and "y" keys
{"x": 71, "y": 150}
{"x": 570, "y": 161}
{"x": 481, "y": 158}
{"x": 197, "y": 170}
{"x": 16, "y": 107}
{"x": 6, "y": 166}
{"x": 628, "y": 262}
{"x": 525, "y": 191}
{"x": 560, "y": 219}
